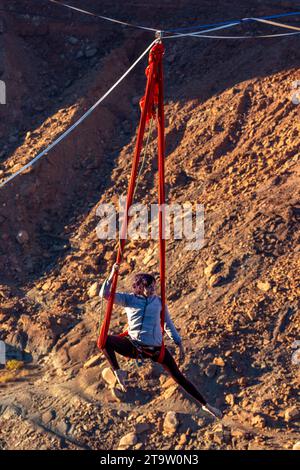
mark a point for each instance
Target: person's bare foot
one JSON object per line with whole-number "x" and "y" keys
{"x": 215, "y": 412}
{"x": 121, "y": 377}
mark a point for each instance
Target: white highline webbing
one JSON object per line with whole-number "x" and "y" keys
{"x": 280, "y": 25}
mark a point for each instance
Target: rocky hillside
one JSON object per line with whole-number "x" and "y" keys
{"x": 232, "y": 135}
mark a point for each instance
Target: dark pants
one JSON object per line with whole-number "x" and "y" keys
{"x": 124, "y": 347}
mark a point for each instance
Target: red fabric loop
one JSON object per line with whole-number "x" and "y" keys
{"x": 152, "y": 105}
{"x": 155, "y": 57}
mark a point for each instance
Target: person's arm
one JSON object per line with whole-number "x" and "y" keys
{"x": 173, "y": 334}
{"x": 170, "y": 328}
{"x": 120, "y": 297}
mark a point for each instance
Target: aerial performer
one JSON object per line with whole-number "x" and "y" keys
{"x": 143, "y": 338}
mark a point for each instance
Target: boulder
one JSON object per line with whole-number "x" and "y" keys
{"x": 93, "y": 361}
{"x": 215, "y": 280}
{"x": 211, "y": 370}
{"x": 72, "y": 40}
{"x": 296, "y": 446}
{"x": 91, "y": 52}
{"x": 93, "y": 290}
{"x": 218, "y": 361}
{"x": 170, "y": 391}
{"x": 258, "y": 421}
{"x": 127, "y": 441}
{"x": 291, "y": 414}
{"x": 221, "y": 435}
{"x": 141, "y": 427}
{"x": 108, "y": 376}
{"x": 264, "y": 286}
{"x": 229, "y": 399}
{"x": 212, "y": 268}
{"x": 171, "y": 423}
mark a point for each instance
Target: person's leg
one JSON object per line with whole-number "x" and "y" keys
{"x": 118, "y": 344}
{"x": 171, "y": 367}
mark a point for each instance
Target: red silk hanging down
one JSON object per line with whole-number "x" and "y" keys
{"x": 152, "y": 105}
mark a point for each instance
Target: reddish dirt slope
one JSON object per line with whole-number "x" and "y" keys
{"x": 232, "y": 145}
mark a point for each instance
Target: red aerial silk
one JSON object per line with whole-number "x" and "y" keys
{"x": 152, "y": 105}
